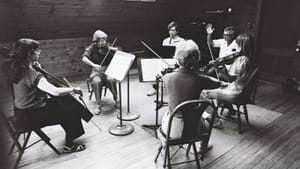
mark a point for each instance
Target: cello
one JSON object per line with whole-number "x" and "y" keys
{"x": 68, "y": 101}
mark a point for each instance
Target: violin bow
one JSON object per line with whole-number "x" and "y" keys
{"x": 212, "y": 57}
{"x": 148, "y": 47}
{"x": 115, "y": 40}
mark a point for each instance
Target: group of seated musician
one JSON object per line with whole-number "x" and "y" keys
{"x": 32, "y": 89}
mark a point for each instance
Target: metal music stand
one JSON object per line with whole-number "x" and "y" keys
{"x": 144, "y": 67}
{"x": 129, "y": 116}
{"x": 117, "y": 69}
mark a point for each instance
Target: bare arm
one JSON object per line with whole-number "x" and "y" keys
{"x": 209, "y": 31}
{"x": 49, "y": 88}
{"x": 92, "y": 64}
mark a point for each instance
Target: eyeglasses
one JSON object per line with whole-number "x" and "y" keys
{"x": 227, "y": 34}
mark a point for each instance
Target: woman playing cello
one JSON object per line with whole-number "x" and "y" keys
{"x": 33, "y": 108}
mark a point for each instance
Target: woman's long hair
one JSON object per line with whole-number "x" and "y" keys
{"x": 246, "y": 43}
{"x": 23, "y": 50}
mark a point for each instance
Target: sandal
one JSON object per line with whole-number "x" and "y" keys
{"x": 74, "y": 148}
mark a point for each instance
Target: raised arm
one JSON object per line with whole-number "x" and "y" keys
{"x": 209, "y": 31}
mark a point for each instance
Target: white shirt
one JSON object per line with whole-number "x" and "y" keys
{"x": 172, "y": 42}
{"x": 225, "y": 49}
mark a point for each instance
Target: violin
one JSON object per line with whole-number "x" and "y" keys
{"x": 222, "y": 61}
{"x": 169, "y": 69}
{"x": 69, "y": 101}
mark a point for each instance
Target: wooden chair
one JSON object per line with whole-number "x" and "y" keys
{"x": 192, "y": 114}
{"x": 247, "y": 96}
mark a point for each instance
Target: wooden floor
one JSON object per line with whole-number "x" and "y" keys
{"x": 276, "y": 146}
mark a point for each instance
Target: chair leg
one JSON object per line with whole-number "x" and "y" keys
{"x": 21, "y": 151}
{"x": 239, "y": 119}
{"x": 91, "y": 94}
{"x": 105, "y": 90}
{"x": 88, "y": 85}
{"x": 15, "y": 144}
{"x": 46, "y": 139}
{"x": 168, "y": 157}
{"x": 196, "y": 156}
{"x": 159, "y": 151}
{"x": 246, "y": 114}
{"x": 188, "y": 150}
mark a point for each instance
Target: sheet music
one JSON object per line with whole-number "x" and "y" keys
{"x": 150, "y": 68}
{"x": 120, "y": 65}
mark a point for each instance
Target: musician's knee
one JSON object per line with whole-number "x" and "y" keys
{"x": 96, "y": 80}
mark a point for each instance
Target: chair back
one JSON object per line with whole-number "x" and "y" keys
{"x": 192, "y": 111}
{"x": 247, "y": 95}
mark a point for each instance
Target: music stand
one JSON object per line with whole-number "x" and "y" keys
{"x": 149, "y": 70}
{"x": 129, "y": 116}
{"x": 117, "y": 69}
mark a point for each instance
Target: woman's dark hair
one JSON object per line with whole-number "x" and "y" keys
{"x": 22, "y": 50}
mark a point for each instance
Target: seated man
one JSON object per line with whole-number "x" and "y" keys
{"x": 94, "y": 57}
{"x": 184, "y": 84}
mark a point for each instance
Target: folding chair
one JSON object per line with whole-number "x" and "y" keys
{"x": 14, "y": 128}
{"x": 15, "y": 131}
{"x": 192, "y": 115}
{"x": 247, "y": 96}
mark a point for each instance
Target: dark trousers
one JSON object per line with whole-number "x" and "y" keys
{"x": 52, "y": 114}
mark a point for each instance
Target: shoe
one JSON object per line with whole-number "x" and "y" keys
{"x": 228, "y": 115}
{"x": 151, "y": 93}
{"x": 117, "y": 104}
{"x": 75, "y": 147}
{"x": 217, "y": 123}
{"x": 98, "y": 110}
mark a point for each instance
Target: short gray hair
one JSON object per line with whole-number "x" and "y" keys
{"x": 187, "y": 54}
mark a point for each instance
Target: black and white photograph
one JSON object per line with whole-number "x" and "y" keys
{"x": 150, "y": 84}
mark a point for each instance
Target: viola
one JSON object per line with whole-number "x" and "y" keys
{"x": 68, "y": 101}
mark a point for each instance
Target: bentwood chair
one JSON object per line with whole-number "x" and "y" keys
{"x": 192, "y": 116}
{"x": 247, "y": 96}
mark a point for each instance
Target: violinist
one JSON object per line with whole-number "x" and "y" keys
{"x": 227, "y": 44}
{"x": 237, "y": 73}
{"x": 98, "y": 55}
{"x": 173, "y": 40}
{"x": 184, "y": 84}
{"x": 33, "y": 107}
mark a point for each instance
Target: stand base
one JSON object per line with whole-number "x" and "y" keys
{"x": 128, "y": 116}
{"x": 119, "y": 130}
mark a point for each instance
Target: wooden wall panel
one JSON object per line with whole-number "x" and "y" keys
{"x": 65, "y": 27}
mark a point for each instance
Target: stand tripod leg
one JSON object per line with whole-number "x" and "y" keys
{"x": 155, "y": 126}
